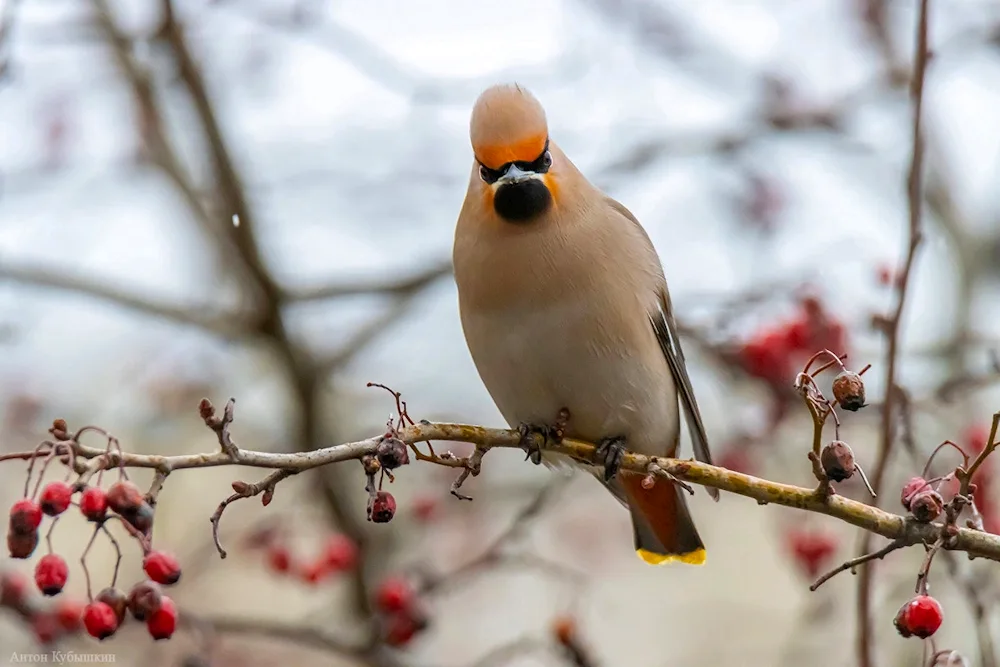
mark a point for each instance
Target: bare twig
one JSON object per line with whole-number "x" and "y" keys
{"x": 854, "y": 562}
{"x": 915, "y": 205}
{"x": 245, "y": 490}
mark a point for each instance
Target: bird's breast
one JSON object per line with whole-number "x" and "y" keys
{"x": 607, "y": 371}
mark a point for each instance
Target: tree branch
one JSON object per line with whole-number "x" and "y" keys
{"x": 915, "y": 204}
{"x": 224, "y": 324}
{"x": 894, "y": 527}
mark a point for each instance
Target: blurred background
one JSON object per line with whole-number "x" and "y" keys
{"x": 256, "y": 199}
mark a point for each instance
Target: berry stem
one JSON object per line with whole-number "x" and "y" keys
{"x": 946, "y": 443}
{"x": 118, "y": 553}
{"x": 925, "y": 568}
{"x": 48, "y": 533}
{"x": 83, "y": 562}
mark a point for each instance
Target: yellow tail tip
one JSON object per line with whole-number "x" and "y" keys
{"x": 696, "y": 557}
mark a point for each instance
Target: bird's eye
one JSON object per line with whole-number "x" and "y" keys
{"x": 547, "y": 159}
{"x": 489, "y": 176}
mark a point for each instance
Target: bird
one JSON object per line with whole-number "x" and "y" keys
{"x": 565, "y": 310}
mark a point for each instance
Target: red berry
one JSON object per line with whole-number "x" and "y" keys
{"x": 25, "y": 517}
{"x": 46, "y": 628}
{"x": 56, "y": 497}
{"x": 22, "y": 545}
{"x": 51, "y": 573}
{"x": 162, "y": 622}
{"x": 115, "y": 599}
{"x": 315, "y": 571}
{"x": 812, "y": 550}
{"x": 884, "y": 274}
{"x": 383, "y": 507}
{"x": 975, "y": 438}
{"x": 144, "y": 599}
{"x": 797, "y": 334}
{"x": 425, "y": 508}
{"x": 94, "y": 503}
{"x": 920, "y": 617}
{"x": 279, "y": 558}
{"x": 910, "y": 489}
{"x": 394, "y": 594}
{"x": 767, "y": 356}
{"x": 100, "y": 620}
{"x": 341, "y": 553}
{"x": 162, "y": 567}
{"x": 125, "y": 497}
{"x": 13, "y": 588}
{"x": 69, "y": 613}
{"x": 564, "y": 628}
{"x": 400, "y": 629}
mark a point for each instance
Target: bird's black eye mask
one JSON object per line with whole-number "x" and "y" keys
{"x": 540, "y": 165}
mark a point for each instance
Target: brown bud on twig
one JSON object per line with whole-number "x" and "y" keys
{"x": 849, "y": 391}
{"x": 59, "y": 429}
{"x": 205, "y": 409}
{"x": 392, "y": 453}
{"x": 838, "y": 461}
{"x": 370, "y": 464}
{"x": 926, "y": 505}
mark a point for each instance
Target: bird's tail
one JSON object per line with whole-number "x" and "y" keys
{"x": 663, "y": 528}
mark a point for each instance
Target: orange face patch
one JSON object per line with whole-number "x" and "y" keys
{"x": 526, "y": 150}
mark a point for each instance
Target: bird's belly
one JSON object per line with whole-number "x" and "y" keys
{"x": 546, "y": 362}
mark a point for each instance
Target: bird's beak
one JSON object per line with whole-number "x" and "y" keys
{"x": 515, "y": 174}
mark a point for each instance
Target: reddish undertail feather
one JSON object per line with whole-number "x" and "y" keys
{"x": 663, "y": 528}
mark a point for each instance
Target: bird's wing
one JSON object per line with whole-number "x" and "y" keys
{"x": 665, "y": 328}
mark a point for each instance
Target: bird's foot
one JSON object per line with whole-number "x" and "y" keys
{"x": 609, "y": 452}
{"x": 552, "y": 434}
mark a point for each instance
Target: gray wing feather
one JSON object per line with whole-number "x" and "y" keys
{"x": 666, "y": 334}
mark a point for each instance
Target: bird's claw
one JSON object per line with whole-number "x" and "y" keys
{"x": 533, "y": 452}
{"x": 609, "y": 452}
{"x": 552, "y": 434}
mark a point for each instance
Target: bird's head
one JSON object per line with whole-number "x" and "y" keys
{"x": 510, "y": 140}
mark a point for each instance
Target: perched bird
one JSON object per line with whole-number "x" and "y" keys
{"x": 566, "y": 313}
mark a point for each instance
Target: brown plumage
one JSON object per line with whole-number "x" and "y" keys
{"x": 564, "y": 304}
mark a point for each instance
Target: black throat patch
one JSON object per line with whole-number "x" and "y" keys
{"x": 521, "y": 202}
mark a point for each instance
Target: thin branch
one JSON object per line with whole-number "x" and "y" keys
{"x": 915, "y": 204}
{"x": 854, "y": 562}
{"x": 393, "y": 286}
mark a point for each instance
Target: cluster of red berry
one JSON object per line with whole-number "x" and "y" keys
{"x": 107, "y": 611}
{"x": 402, "y": 615}
{"x": 339, "y": 554}
{"x": 811, "y": 549}
{"x": 772, "y": 353}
